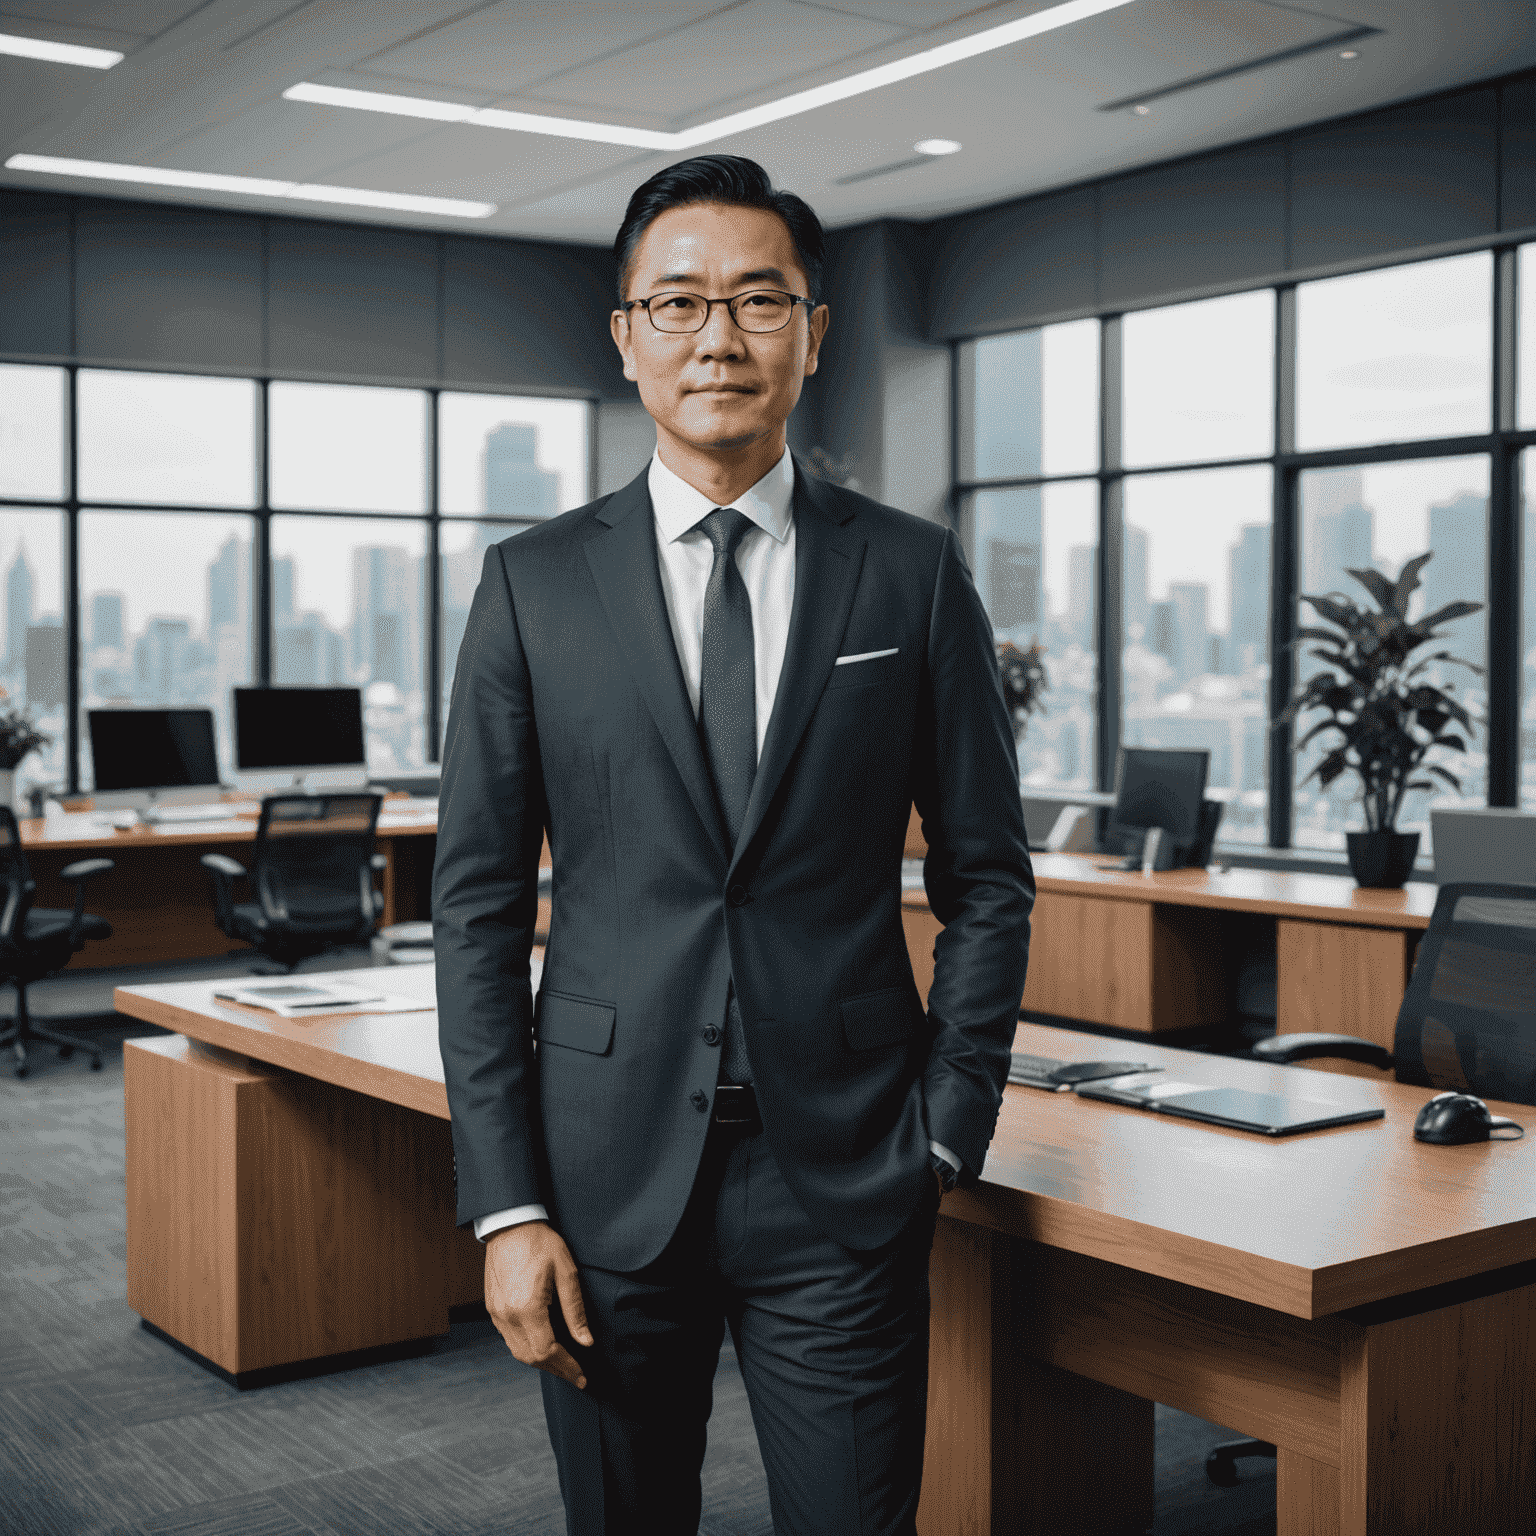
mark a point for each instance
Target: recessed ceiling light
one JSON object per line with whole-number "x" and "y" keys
{"x": 938, "y": 146}
{"x": 992, "y": 38}
{"x": 1141, "y": 109}
{"x": 251, "y": 186}
{"x": 1349, "y": 53}
{"x": 59, "y": 53}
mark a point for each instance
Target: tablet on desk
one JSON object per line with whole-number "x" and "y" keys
{"x": 1270, "y": 1114}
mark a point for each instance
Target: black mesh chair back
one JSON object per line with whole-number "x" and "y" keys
{"x": 1468, "y": 1020}
{"x": 311, "y": 869}
{"x": 16, "y": 881}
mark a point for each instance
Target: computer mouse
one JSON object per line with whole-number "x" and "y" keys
{"x": 1453, "y": 1119}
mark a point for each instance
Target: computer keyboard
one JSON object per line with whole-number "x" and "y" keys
{"x": 169, "y": 815}
{"x": 1033, "y": 1071}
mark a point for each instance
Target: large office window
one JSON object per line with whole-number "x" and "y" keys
{"x": 1195, "y": 618}
{"x": 1394, "y": 434}
{"x": 206, "y": 504}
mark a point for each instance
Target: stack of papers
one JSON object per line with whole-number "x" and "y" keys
{"x": 298, "y": 999}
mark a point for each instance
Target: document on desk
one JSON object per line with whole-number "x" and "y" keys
{"x": 298, "y": 1000}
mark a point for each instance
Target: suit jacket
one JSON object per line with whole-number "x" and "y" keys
{"x": 569, "y": 713}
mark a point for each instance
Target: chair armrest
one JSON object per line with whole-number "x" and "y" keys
{"x": 1307, "y": 1047}
{"x": 83, "y": 869}
{"x": 224, "y": 871}
{"x": 222, "y": 864}
{"x": 379, "y": 862}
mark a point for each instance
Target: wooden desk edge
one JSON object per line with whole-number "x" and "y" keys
{"x": 326, "y": 1065}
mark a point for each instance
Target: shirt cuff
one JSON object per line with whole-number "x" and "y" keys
{"x": 938, "y": 1150}
{"x": 515, "y": 1216}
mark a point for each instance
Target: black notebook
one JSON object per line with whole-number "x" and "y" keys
{"x": 1269, "y": 1114}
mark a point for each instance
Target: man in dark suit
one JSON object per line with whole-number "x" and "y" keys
{"x": 719, "y": 691}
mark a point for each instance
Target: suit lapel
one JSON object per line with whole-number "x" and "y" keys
{"x": 828, "y": 558}
{"x": 624, "y": 566}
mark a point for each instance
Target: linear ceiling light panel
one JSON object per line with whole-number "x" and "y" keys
{"x": 251, "y": 186}
{"x": 1003, "y": 36}
{"x": 59, "y": 53}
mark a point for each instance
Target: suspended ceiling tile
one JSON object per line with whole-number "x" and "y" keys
{"x": 502, "y": 48}
{"x": 456, "y": 161}
{"x": 289, "y": 140}
{"x": 721, "y": 59}
{"x": 146, "y": 17}
{"x": 919, "y": 15}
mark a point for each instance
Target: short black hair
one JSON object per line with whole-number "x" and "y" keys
{"x": 734, "y": 181}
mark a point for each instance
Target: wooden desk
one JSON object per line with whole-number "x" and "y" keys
{"x": 158, "y": 898}
{"x": 1156, "y": 952}
{"x": 1367, "y": 1303}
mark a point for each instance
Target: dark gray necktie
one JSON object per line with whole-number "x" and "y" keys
{"x": 728, "y": 716}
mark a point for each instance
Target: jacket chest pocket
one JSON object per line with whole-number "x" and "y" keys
{"x": 575, "y": 1022}
{"x": 865, "y": 673}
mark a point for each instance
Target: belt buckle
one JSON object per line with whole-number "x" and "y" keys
{"x": 736, "y": 1106}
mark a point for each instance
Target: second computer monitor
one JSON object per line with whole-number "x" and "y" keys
{"x": 139, "y": 755}
{"x": 1156, "y": 788}
{"x": 298, "y": 730}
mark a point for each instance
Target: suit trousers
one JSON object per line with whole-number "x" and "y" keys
{"x": 833, "y": 1348}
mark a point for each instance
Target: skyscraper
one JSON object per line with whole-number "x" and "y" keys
{"x": 164, "y": 661}
{"x": 386, "y": 615}
{"x": 229, "y": 585}
{"x": 1189, "y": 601}
{"x": 282, "y": 589}
{"x": 1338, "y": 530}
{"x": 1458, "y": 535}
{"x": 45, "y": 663}
{"x": 1248, "y": 633}
{"x": 1008, "y": 545}
{"x": 1135, "y": 581}
{"x": 18, "y": 609}
{"x": 107, "y": 620}
{"x": 1082, "y": 592}
{"x": 515, "y": 486}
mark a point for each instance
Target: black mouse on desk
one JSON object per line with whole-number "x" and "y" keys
{"x": 1453, "y": 1119}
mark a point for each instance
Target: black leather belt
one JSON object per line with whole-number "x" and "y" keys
{"x": 736, "y": 1108}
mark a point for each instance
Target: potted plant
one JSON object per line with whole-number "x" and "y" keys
{"x": 1024, "y": 684}
{"x": 1374, "y": 695}
{"x": 19, "y": 735}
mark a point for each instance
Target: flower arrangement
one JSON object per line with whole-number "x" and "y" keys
{"x": 1024, "y": 682}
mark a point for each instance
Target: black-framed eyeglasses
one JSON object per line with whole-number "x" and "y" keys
{"x": 680, "y": 314}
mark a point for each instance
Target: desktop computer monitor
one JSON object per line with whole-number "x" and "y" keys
{"x": 1155, "y": 788}
{"x": 301, "y": 731}
{"x": 140, "y": 756}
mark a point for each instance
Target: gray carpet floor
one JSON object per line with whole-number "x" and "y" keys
{"x": 107, "y": 1431}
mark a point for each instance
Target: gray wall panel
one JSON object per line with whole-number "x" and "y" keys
{"x": 1194, "y": 224}
{"x": 34, "y": 274}
{"x": 1411, "y": 176}
{"x": 167, "y": 286}
{"x": 1517, "y": 206}
{"x": 1004, "y": 267}
{"x": 350, "y": 301}
{"x": 520, "y": 315}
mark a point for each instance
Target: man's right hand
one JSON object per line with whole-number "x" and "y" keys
{"x": 527, "y": 1267}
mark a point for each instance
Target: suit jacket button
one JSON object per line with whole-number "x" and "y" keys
{"x": 711, "y": 1035}
{"x": 737, "y": 896}
{"x": 699, "y": 1099}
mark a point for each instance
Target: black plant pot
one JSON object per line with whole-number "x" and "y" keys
{"x": 1382, "y": 861}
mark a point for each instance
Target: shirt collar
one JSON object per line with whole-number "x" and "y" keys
{"x": 680, "y": 508}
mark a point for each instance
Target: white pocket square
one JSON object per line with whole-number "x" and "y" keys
{"x": 843, "y": 661}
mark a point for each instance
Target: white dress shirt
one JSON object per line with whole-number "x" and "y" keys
{"x": 766, "y": 559}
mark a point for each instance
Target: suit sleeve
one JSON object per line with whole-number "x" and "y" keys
{"x": 491, "y": 817}
{"x": 977, "y": 873}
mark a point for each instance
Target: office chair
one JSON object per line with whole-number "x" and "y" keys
{"x": 37, "y": 941}
{"x": 311, "y": 876}
{"x": 1467, "y": 1023}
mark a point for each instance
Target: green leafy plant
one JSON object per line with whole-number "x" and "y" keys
{"x": 19, "y": 734}
{"x": 1024, "y": 682}
{"x": 1374, "y": 694}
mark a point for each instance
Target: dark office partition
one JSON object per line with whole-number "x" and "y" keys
{"x": 1007, "y": 267}
{"x": 352, "y": 302}
{"x": 518, "y": 314}
{"x": 177, "y": 287}
{"x": 1517, "y": 202}
{"x": 1195, "y": 224}
{"x": 34, "y": 274}
{"x": 1411, "y": 176}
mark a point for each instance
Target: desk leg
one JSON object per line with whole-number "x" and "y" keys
{"x": 273, "y": 1219}
{"x": 1013, "y": 1444}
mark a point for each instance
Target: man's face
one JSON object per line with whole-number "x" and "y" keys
{"x": 721, "y": 387}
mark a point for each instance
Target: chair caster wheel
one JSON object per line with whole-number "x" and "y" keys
{"x": 1221, "y": 1469}
{"x": 21, "y": 1071}
{"x": 65, "y": 1052}
{"x": 95, "y": 1063}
